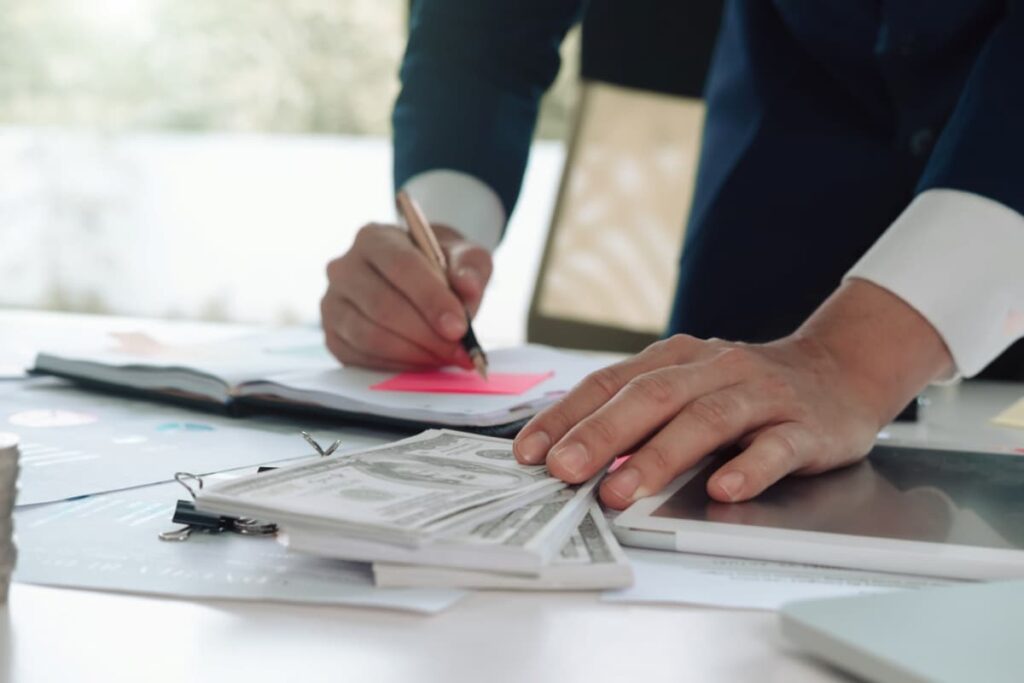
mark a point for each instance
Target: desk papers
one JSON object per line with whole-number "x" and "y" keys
{"x": 681, "y": 578}
{"x": 591, "y": 559}
{"x": 1013, "y": 416}
{"x": 290, "y": 369}
{"x": 75, "y": 443}
{"x": 110, "y": 543}
{"x": 348, "y": 390}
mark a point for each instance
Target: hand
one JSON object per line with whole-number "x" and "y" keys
{"x": 805, "y": 404}
{"x": 387, "y": 308}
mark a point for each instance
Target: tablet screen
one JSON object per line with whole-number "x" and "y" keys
{"x": 914, "y": 494}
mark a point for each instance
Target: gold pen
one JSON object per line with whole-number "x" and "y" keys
{"x": 424, "y": 238}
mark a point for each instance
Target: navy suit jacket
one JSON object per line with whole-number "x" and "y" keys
{"x": 825, "y": 118}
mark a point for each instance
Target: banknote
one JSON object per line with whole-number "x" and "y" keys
{"x": 437, "y": 483}
{"x": 590, "y": 560}
{"x": 522, "y": 541}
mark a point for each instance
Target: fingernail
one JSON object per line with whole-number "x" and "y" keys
{"x": 731, "y": 483}
{"x": 625, "y": 483}
{"x": 533, "y": 448}
{"x": 453, "y": 326}
{"x": 470, "y": 277}
{"x": 572, "y": 458}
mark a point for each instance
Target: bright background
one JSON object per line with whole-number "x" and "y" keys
{"x": 196, "y": 159}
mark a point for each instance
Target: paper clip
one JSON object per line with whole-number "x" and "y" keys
{"x": 312, "y": 442}
{"x": 185, "y": 512}
{"x": 323, "y": 453}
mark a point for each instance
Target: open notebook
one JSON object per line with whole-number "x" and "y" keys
{"x": 290, "y": 370}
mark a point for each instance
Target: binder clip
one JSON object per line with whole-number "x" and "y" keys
{"x": 185, "y": 512}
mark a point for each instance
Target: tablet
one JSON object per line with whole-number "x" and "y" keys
{"x": 910, "y": 510}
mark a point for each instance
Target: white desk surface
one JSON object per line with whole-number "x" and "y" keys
{"x": 49, "y": 634}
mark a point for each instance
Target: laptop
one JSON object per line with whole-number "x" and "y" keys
{"x": 957, "y": 634}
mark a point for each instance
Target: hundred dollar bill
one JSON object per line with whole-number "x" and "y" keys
{"x": 591, "y": 559}
{"x": 522, "y": 541}
{"x": 438, "y": 483}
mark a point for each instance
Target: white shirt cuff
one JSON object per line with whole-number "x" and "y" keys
{"x": 460, "y": 201}
{"x": 956, "y": 258}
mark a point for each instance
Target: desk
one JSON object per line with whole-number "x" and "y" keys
{"x": 66, "y": 635}
{"x": 49, "y": 635}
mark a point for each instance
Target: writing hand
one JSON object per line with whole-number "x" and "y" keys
{"x": 386, "y": 307}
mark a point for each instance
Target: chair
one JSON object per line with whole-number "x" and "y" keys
{"x": 609, "y": 265}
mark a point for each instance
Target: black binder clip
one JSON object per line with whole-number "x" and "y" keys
{"x": 195, "y": 520}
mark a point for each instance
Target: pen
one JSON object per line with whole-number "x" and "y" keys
{"x": 423, "y": 237}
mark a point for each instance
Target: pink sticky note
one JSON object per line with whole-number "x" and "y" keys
{"x": 462, "y": 382}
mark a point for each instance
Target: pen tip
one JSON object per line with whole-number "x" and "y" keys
{"x": 480, "y": 363}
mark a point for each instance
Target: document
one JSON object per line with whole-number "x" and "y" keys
{"x": 290, "y": 368}
{"x": 76, "y": 443}
{"x": 437, "y": 483}
{"x": 680, "y": 578}
{"x": 29, "y": 331}
{"x": 110, "y": 543}
{"x": 350, "y": 389}
{"x": 213, "y": 369}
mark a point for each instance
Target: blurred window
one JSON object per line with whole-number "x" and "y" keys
{"x": 206, "y": 158}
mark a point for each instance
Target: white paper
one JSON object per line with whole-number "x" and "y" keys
{"x": 137, "y": 357}
{"x": 27, "y": 332}
{"x": 75, "y": 443}
{"x": 110, "y": 543}
{"x": 681, "y": 578}
{"x": 349, "y": 389}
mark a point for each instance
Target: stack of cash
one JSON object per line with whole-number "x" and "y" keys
{"x": 591, "y": 559}
{"x": 441, "y": 499}
{"x": 8, "y": 490}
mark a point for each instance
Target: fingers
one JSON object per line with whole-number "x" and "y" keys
{"x": 349, "y": 356}
{"x": 551, "y": 425}
{"x": 380, "y": 302}
{"x": 469, "y": 267}
{"x": 711, "y": 421}
{"x": 684, "y": 398}
{"x": 640, "y": 408}
{"x": 772, "y": 455}
{"x": 361, "y": 341}
{"x": 392, "y": 254}
{"x": 387, "y": 306}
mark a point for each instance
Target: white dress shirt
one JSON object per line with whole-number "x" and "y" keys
{"x": 955, "y": 257}
{"x": 461, "y": 202}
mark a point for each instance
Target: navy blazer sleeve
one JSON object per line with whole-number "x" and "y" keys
{"x": 981, "y": 149}
{"x": 472, "y": 78}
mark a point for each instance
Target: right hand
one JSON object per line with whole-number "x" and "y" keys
{"x": 387, "y": 308}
